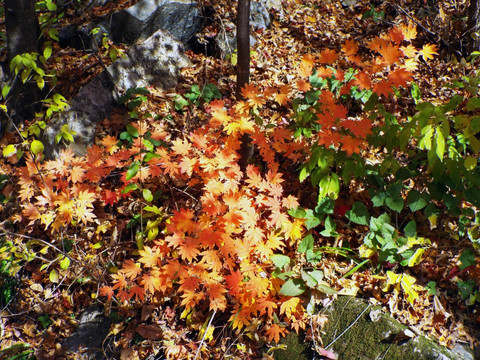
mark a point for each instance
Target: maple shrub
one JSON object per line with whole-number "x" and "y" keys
{"x": 214, "y": 237}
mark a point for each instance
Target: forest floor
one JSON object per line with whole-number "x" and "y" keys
{"x": 42, "y": 312}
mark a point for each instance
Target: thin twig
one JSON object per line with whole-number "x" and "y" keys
{"x": 205, "y": 334}
{"x": 344, "y": 331}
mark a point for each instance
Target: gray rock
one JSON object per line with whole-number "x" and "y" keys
{"x": 157, "y": 61}
{"x": 92, "y": 330}
{"x": 81, "y": 37}
{"x": 356, "y": 330}
{"x": 182, "y": 18}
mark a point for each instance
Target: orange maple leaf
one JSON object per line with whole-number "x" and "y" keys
{"x": 350, "y": 47}
{"x": 266, "y": 306}
{"x": 390, "y": 53}
{"x": 351, "y": 144}
{"x": 400, "y": 77}
{"x": 303, "y": 85}
{"x": 149, "y": 283}
{"x": 363, "y": 80}
{"x": 216, "y": 295}
{"x": 306, "y": 66}
{"x": 275, "y": 331}
{"x": 183, "y": 220}
{"x": 110, "y": 143}
{"x": 328, "y": 56}
{"x": 138, "y": 292}
{"x": 383, "y": 87}
{"x": 181, "y": 146}
{"x": 130, "y": 269}
{"x": 396, "y": 35}
{"x": 119, "y": 280}
{"x": 189, "y": 249}
{"x": 106, "y": 291}
{"x": 234, "y": 282}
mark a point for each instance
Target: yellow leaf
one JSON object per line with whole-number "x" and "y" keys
{"x": 416, "y": 258}
{"x": 54, "y": 276}
{"x": 428, "y": 51}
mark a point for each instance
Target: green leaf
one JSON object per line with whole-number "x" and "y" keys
{"x": 330, "y": 227}
{"x": 65, "y": 263}
{"x": 440, "y": 143}
{"x": 180, "y": 102}
{"x": 326, "y": 289}
{"x": 395, "y": 203}
{"x": 299, "y": 213}
{"x": 472, "y": 195}
{"x": 309, "y": 279}
{"x": 303, "y": 174}
{"x": 293, "y": 287}
{"x": 379, "y": 199}
{"x": 47, "y": 52}
{"x": 473, "y": 103}
{"x": 54, "y": 278}
{"x": 280, "y": 261}
{"x": 36, "y": 147}
{"x": 147, "y": 195}
{"x": 358, "y": 214}
{"x": 313, "y": 219}
{"x": 325, "y": 206}
{"x": 410, "y": 229}
{"x": 129, "y": 187}
{"x": 132, "y": 170}
{"x": 416, "y": 93}
{"x": 467, "y": 258}
{"x": 306, "y": 244}
{"x": 432, "y": 288}
{"x": 53, "y": 33}
{"x": 153, "y": 209}
{"x": 132, "y": 130}
{"x": 9, "y": 150}
{"x": 471, "y": 163}
{"x": 416, "y": 201}
{"x": 5, "y": 91}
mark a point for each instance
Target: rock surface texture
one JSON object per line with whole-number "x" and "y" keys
{"x": 357, "y": 330}
{"x": 155, "y": 62}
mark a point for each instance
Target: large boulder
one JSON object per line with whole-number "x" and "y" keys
{"x": 358, "y": 330}
{"x": 182, "y": 18}
{"x": 93, "y": 328}
{"x": 157, "y": 61}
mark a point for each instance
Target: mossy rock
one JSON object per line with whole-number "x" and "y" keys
{"x": 296, "y": 348}
{"x": 354, "y": 336}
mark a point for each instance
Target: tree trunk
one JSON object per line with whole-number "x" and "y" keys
{"x": 243, "y": 45}
{"x": 243, "y": 70}
{"x": 22, "y": 37}
{"x": 473, "y": 24}
{"x": 22, "y": 27}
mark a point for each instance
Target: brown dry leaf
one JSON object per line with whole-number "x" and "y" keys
{"x": 150, "y": 332}
{"x": 129, "y": 354}
{"x": 147, "y": 311}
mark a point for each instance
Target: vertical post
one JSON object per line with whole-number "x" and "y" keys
{"x": 243, "y": 45}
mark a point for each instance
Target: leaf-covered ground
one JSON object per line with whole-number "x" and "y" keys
{"x": 89, "y": 249}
